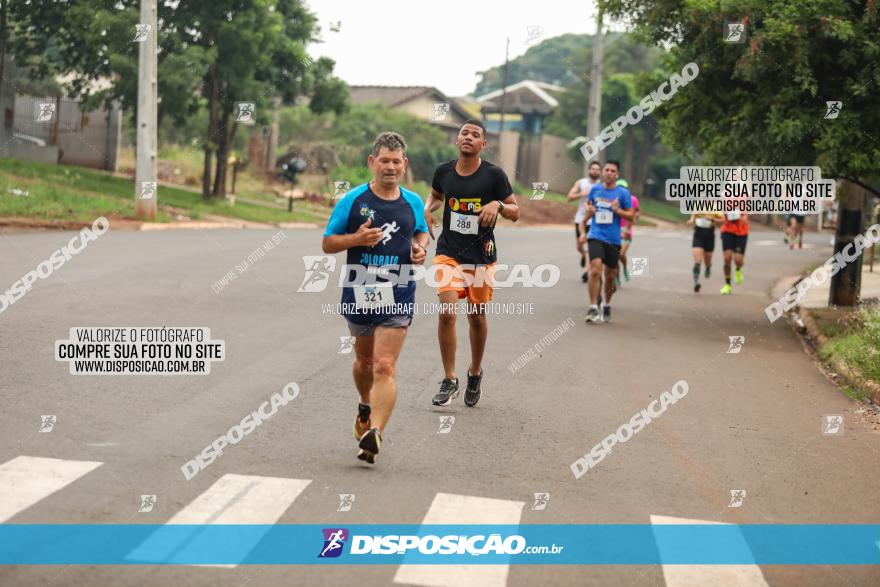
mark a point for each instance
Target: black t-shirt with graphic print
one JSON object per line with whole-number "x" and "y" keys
{"x": 463, "y": 238}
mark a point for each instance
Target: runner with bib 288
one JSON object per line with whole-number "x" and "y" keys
{"x": 473, "y": 193}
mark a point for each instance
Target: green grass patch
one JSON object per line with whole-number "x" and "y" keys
{"x": 853, "y": 393}
{"x": 56, "y": 202}
{"x": 830, "y": 330}
{"x": 662, "y": 209}
{"x": 64, "y": 193}
{"x": 859, "y": 345}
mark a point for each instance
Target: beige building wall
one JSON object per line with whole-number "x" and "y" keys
{"x": 506, "y": 149}
{"x": 556, "y": 166}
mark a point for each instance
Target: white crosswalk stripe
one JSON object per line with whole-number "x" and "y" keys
{"x": 232, "y": 499}
{"x": 699, "y": 575}
{"x": 26, "y": 480}
{"x": 449, "y": 508}
{"x": 251, "y": 499}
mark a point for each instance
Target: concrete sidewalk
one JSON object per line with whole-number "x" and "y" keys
{"x": 817, "y": 296}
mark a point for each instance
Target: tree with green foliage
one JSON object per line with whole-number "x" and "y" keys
{"x": 212, "y": 54}
{"x": 352, "y": 133}
{"x": 628, "y": 66}
{"x": 763, "y": 102}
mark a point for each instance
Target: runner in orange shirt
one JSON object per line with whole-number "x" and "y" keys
{"x": 734, "y": 235}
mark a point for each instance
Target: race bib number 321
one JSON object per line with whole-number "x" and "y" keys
{"x": 373, "y": 296}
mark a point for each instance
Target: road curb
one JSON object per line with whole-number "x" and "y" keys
{"x": 806, "y": 327}
{"x": 811, "y": 329}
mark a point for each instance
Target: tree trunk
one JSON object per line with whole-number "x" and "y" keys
{"x": 846, "y": 285}
{"x": 220, "y": 172}
{"x": 4, "y": 9}
{"x": 206, "y": 174}
{"x": 225, "y": 135}
{"x": 628, "y": 169}
{"x": 643, "y": 168}
{"x": 211, "y": 95}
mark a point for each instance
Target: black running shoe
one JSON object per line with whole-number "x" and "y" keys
{"x": 472, "y": 393}
{"x": 606, "y": 313}
{"x": 361, "y": 421}
{"x": 592, "y": 315}
{"x": 697, "y": 287}
{"x": 370, "y": 444}
{"x": 585, "y": 277}
{"x": 448, "y": 392}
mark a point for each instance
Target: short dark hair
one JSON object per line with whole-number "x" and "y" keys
{"x": 595, "y": 163}
{"x": 391, "y": 141}
{"x": 615, "y": 163}
{"x": 475, "y": 122}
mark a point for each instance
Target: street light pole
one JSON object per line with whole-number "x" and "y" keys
{"x": 145, "y": 207}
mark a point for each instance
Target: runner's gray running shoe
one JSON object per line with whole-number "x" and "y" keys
{"x": 448, "y": 392}
{"x": 472, "y": 393}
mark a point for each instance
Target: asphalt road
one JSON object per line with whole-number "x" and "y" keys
{"x": 751, "y": 420}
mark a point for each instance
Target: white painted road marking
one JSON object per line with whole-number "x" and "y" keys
{"x": 448, "y": 508}
{"x": 232, "y": 499}
{"x": 699, "y": 575}
{"x": 26, "y": 480}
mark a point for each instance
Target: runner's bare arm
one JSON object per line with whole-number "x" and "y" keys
{"x": 434, "y": 200}
{"x": 490, "y": 212}
{"x": 629, "y": 213}
{"x": 511, "y": 208}
{"x": 591, "y": 211}
{"x": 419, "y": 248}
{"x": 574, "y": 193}
{"x": 364, "y": 237}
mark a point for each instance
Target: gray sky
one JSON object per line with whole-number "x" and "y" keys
{"x": 423, "y": 43}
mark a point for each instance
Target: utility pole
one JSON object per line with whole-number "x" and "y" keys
{"x": 145, "y": 207}
{"x": 594, "y": 108}
{"x": 504, "y": 86}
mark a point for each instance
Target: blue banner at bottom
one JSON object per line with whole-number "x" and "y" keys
{"x": 280, "y": 544}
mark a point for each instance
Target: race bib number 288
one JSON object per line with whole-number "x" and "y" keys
{"x": 463, "y": 223}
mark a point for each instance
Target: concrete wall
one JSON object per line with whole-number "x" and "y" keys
{"x": 71, "y": 137}
{"x": 556, "y": 166}
{"x": 508, "y": 147}
{"x": 28, "y": 152}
